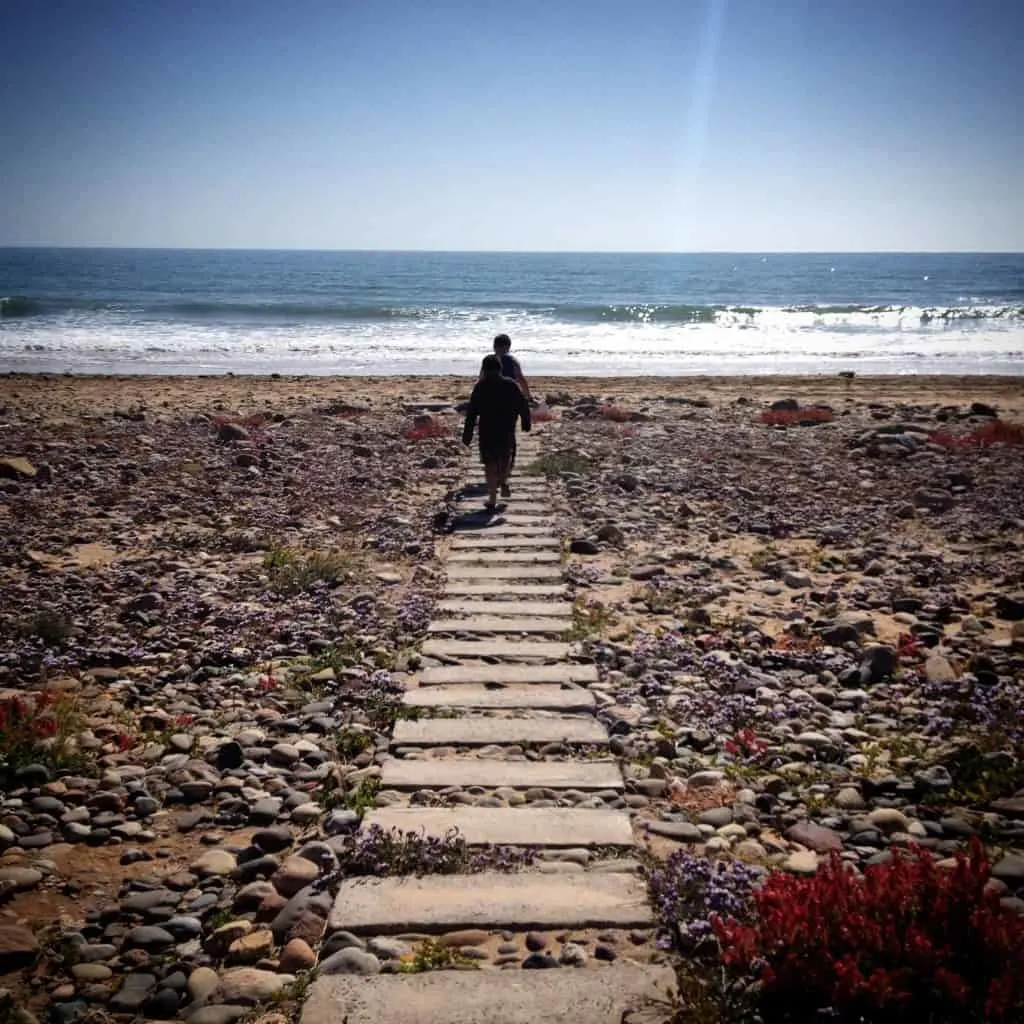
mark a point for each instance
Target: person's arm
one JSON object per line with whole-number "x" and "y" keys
{"x": 472, "y": 414}
{"x": 521, "y": 381}
{"x": 524, "y": 411}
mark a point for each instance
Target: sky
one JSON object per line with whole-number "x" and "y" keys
{"x": 633, "y": 125}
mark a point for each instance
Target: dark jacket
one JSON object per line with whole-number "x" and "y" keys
{"x": 497, "y": 402}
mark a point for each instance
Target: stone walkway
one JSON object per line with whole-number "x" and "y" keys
{"x": 508, "y": 675}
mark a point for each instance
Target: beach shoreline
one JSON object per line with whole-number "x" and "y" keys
{"x": 60, "y": 395}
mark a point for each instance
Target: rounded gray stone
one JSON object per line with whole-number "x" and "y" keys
{"x": 350, "y": 961}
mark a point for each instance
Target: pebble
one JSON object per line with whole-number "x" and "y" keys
{"x": 246, "y": 986}
{"x": 294, "y": 875}
{"x": 133, "y": 992}
{"x": 214, "y": 862}
{"x": 888, "y": 819}
{"x": 297, "y": 956}
{"x": 202, "y": 983}
{"x": 350, "y": 961}
{"x": 801, "y": 862}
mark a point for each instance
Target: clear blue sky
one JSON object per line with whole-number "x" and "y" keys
{"x": 764, "y": 125}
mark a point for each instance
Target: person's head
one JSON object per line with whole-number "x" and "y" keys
{"x": 502, "y": 343}
{"x": 491, "y": 366}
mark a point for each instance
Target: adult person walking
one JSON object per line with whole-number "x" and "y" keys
{"x": 509, "y": 368}
{"x": 509, "y": 364}
{"x": 497, "y": 403}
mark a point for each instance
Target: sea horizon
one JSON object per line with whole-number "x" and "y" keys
{"x": 516, "y": 252}
{"x": 114, "y": 309}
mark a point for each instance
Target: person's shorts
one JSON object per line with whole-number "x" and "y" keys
{"x": 497, "y": 449}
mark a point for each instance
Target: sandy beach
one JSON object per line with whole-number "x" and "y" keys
{"x": 217, "y": 581}
{"x": 55, "y": 396}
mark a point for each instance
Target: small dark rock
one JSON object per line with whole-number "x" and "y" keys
{"x": 539, "y": 961}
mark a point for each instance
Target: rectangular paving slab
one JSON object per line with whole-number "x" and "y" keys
{"x": 510, "y": 826}
{"x": 561, "y": 609}
{"x": 482, "y": 731}
{"x": 525, "y": 504}
{"x": 492, "y": 900}
{"x": 474, "y": 515}
{"x": 548, "y": 650}
{"x": 554, "y": 698}
{"x": 447, "y": 675}
{"x": 503, "y": 589}
{"x": 563, "y": 996}
{"x": 522, "y": 572}
{"x": 488, "y": 543}
{"x": 487, "y": 556}
{"x": 524, "y": 528}
{"x": 411, "y": 773}
{"x": 503, "y": 624}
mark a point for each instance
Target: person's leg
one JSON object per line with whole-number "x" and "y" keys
{"x": 492, "y": 471}
{"x": 503, "y": 472}
{"x": 506, "y": 490}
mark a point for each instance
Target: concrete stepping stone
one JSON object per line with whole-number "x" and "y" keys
{"x": 472, "y": 525}
{"x": 516, "y": 505}
{"x": 549, "y": 697}
{"x": 490, "y": 556}
{"x": 503, "y": 530}
{"x": 506, "y": 675}
{"x": 522, "y": 572}
{"x": 504, "y": 589}
{"x": 505, "y": 543}
{"x": 559, "y": 609}
{"x": 520, "y": 489}
{"x": 548, "y": 650}
{"x": 412, "y": 773}
{"x": 549, "y": 827}
{"x": 564, "y": 996}
{"x": 481, "y": 731}
{"x": 493, "y": 900}
{"x": 501, "y": 624}
{"x": 526, "y": 504}
{"x": 471, "y": 521}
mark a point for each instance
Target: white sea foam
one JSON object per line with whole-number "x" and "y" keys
{"x": 449, "y": 341}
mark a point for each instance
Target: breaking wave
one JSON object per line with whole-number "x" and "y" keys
{"x": 16, "y": 305}
{"x": 271, "y": 311}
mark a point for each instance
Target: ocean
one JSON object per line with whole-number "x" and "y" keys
{"x": 210, "y": 311}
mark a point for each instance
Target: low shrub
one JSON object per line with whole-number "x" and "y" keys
{"x": 907, "y": 646}
{"x": 38, "y": 727}
{"x": 745, "y": 745}
{"x": 390, "y": 852}
{"x": 589, "y": 618}
{"x": 688, "y": 893}
{"x": 292, "y": 571}
{"x": 908, "y": 941}
{"x": 796, "y": 417}
{"x": 427, "y": 427}
{"x": 561, "y": 463}
{"x": 433, "y": 955}
{"x": 799, "y": 644}
{"x": 350, "y": 742}
{"x": 995, "y": 432}
{"x": 48, "y": 625}
{"x": 363, "y": 797}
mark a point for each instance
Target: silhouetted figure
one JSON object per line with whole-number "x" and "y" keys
{"x": 497, "y": 402}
